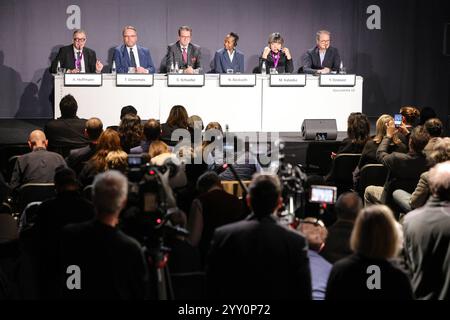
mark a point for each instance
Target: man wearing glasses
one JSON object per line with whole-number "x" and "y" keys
{"x": 76, "y": 58}
{"x": 183, "y": 53}
{"x": 322, "y": 58}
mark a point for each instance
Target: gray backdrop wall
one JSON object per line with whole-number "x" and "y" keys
{"x": 402, "y": 63}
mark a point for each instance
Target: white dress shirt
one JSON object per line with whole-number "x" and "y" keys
{"x": 83, "y": 67}
{"x": 135, "y": 53}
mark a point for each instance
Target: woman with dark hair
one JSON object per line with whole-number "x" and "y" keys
{"x": 178, "y": 119}
{"x": 358, "y": 130}
{"x": 131, "y": 132}
{"x": 275, "y": 56}
{"x": 411, "y": 116}
{"x": 108, "y": 141}
{"x": 370, "y": 273}
{"x": 229, "y": 59}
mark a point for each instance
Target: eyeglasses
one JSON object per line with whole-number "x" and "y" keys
{"x": 324, "y": 41}
{"x": 79, "y": 39}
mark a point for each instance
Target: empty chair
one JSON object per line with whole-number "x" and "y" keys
{"x": 318, "y": 156}
{"x": 6, "y": 208}
{"x": 342, "y": 170}
{"x": 28, "y": 217}
{"x": 31, "y": 192}
{"x": 11, "y": 163}
{"x": 371, "y": 175}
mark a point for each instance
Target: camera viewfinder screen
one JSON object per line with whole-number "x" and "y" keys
{"x": 323, "y": 194}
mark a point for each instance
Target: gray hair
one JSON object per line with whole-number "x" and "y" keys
{"x": 129, "y": 27}
{"x": 110, "y": 190}
{"x": 322, "y": 32}
{"x": 76, "y": 31}
{"x": 439, "y": 180}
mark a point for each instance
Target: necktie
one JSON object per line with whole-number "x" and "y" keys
{"x": 78, "y": 62}
{"x": 132, "y": 58}
{"x": 184, "y": 56}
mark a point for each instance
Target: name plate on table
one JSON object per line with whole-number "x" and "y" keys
{"x": 83, "y": 80}
{"x": 337, "y": 80}
{"x": 134, "y": 80}
{"x": 237, "y": 80}
{"x": 185, "y": 80}
{"x": 288, "y": 80}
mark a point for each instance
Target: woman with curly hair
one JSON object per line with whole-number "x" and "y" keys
{"x": 130, "y": 132}
{"x": 108, "y": 141}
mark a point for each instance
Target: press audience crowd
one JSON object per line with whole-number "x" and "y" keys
{"x": 385, "y": 242}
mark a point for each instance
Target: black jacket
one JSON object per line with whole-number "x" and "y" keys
{"x": 284, "y": 65}
{"x": 311, "y": 60}
{"x": 66, "y": 57}
{"x": 349, "y": 277}
{"x": 66, "y": 132}
{"x": 112, "y": 264}
{"x": 258, "y": 258}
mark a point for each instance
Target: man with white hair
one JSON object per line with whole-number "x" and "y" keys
{"x": 427, "y": 239}
{"x": 111, "y": 264}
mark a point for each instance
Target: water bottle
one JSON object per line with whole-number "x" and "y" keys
{"x": 342, "y": 68}
{"x": 176, "y": 67}
{"x": 58, "y": 68}
{"x": 113, "y": 68}
{"x": 263, "y": 68}
{"x": 172, "y": 68}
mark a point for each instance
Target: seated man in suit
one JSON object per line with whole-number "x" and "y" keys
{"x": 258, "y": 257}
{"x": 78, "y": 157}
{"x": 76, "y": 58}
{"x": 322, "y": 58}
{"x": 130, "y": 55}
{"x": 68, "y": 130}
{"x": 39, "y": 165}
{"x": 404, "y": 169}
{"x": 229, "y": 58}
{"x": 183, "y": 52}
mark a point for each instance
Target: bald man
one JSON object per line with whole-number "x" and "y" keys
{"x": 39, "y": 165}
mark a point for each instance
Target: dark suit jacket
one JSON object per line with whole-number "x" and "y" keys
{"x": 427, "y": 243}
{"x": 369, "y": 152}
{"x": 337, "y": 245}
{"x": 66, "y": 57}
{"x": 311, "y": 60}
{"x": 284, "y": 65}
{"x": 66, "y": 132}
{"x": 78, "y": 157}
{"x": 112, "y": 264}
{"x": 174, "y": 55}
{"x": 222, "y": 61}
{"x": 404, "y": 169}
{"x": 258, "y": 258}
{"x": 123, "y": 62}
